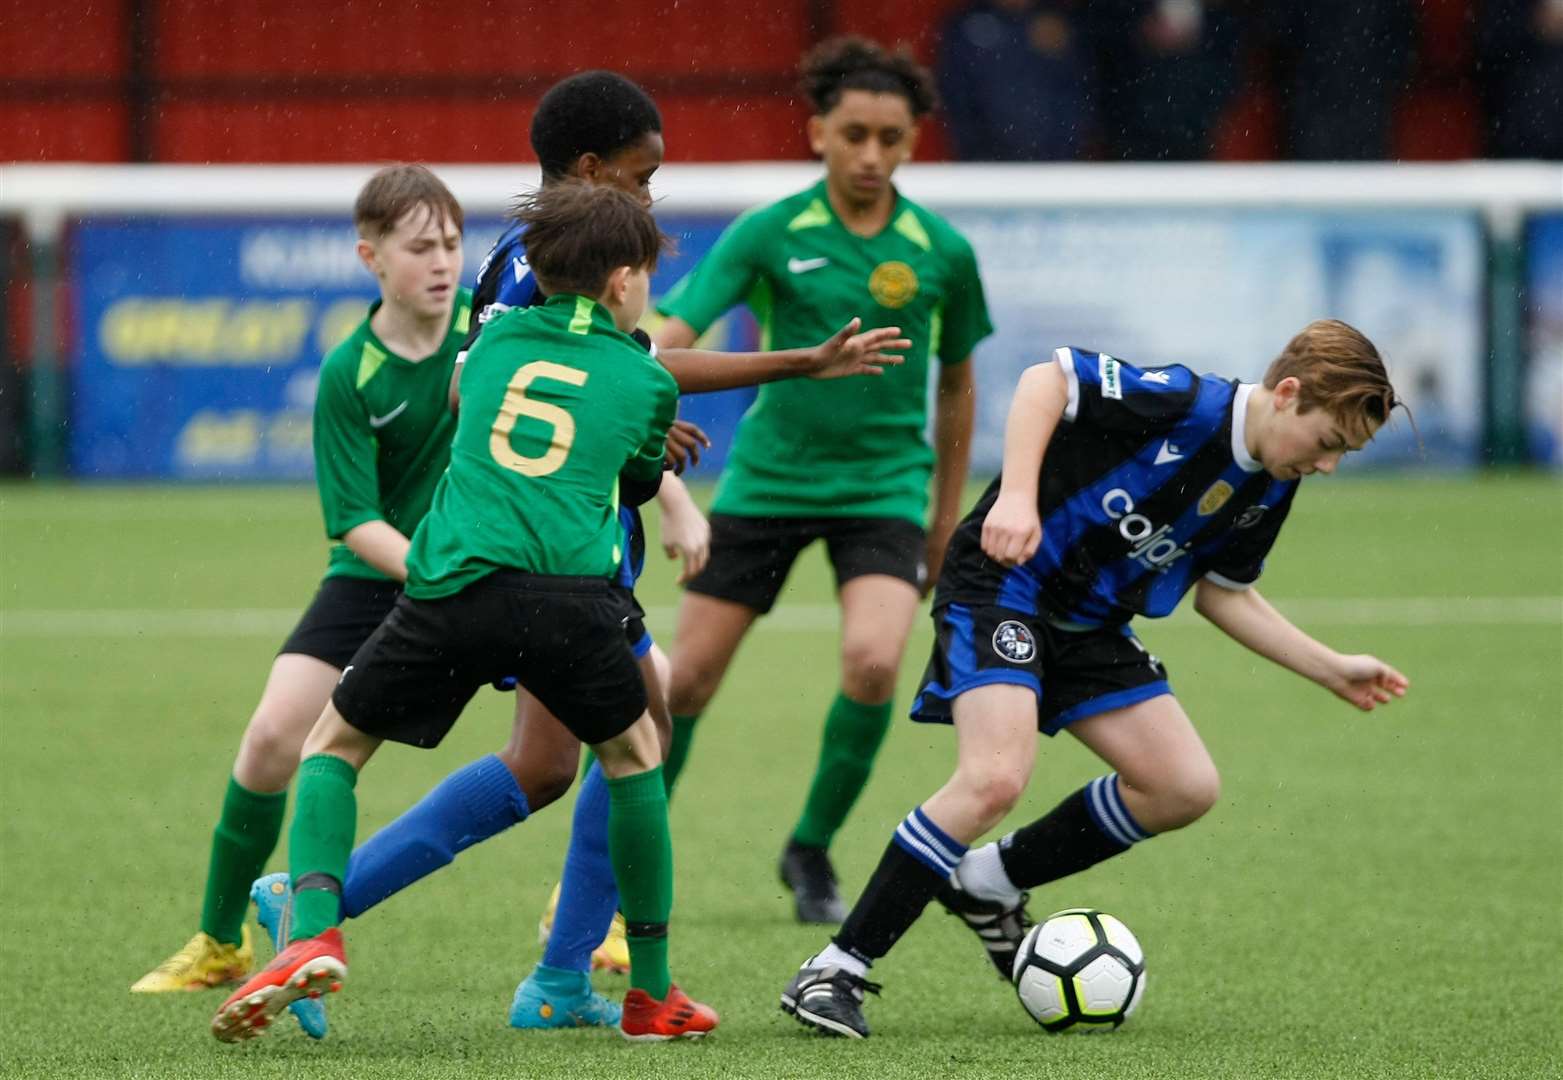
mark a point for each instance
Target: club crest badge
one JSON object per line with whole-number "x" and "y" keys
{"x": 1014, "y": 642}
{"x": 1215, "y": 498}
{"x": 892, "y": 284}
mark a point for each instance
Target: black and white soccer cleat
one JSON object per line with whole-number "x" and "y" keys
{"x": 1000, "y": 927}
{"x": 808, "y": 873}
{"x": 829, "y": 999}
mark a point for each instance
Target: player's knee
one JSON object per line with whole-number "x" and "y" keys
{"x": 272, "y": 742}
{"x": 691, "y": 686}
{"x": 868, "y": 670}
{"x": 994, "y": 790}
{"x": 1188, "y": 796}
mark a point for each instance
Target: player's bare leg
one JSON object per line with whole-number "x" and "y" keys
{"x": 876, "y": 619}
{"x": 709, "y": 633}
{"x": 1165, "y": 774}
{"x": 296, "y": 691}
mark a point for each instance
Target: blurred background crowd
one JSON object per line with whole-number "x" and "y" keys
{"x": 1022, "y": 80}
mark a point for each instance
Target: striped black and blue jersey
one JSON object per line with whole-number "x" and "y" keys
{"x": 1146, "y": 487}
{"x": 505, "y": 280}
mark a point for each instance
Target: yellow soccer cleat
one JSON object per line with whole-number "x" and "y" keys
{"x": 204, "y": 962}
{"x": 614, "y": 952}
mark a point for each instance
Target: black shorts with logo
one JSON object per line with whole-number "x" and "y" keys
{"x": 562, "y": 637}
{"x": 751, "y": 556}
{"x": 344, "y": 612}
{"x": 1075, "y": 673}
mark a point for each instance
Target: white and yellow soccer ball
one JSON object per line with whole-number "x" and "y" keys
{"x": 1080, "y": 968}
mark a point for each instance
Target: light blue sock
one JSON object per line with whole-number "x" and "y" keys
{"x": 472, "y": 804}
{"x": 588, "y": 896}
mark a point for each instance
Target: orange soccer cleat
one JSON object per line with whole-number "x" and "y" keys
{"x": 676, "y": 1016}
{"x": 307, "y": 968}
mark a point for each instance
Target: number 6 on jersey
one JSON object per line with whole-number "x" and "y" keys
{"x": 517, "y": 404}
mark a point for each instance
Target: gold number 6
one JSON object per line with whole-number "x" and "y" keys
{"x": 517, "y": 404}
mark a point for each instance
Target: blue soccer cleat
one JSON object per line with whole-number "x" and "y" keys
{"x": 272, "y": 895}
{"x": 551, "y": 998}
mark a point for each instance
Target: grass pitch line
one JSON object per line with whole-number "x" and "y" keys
{"x": 787, "y": 618}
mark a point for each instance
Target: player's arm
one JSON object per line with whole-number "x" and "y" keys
{"x": 453, "y": 392}
{"x": 844, "y": 354}
{"x": 955, "y": 412}
{"x": 686, "y": 533}
{"x": 1012, "y": 531}
{"x": 347, "y": 478}
{"x": 1249, "y": 619}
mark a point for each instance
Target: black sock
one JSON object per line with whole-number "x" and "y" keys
{"x": 1087, "y": 827}
{"x": 918, "y": 860}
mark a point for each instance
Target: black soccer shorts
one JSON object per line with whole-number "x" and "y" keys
{"x": 562, "y": 637}
{"x": 1074, "y": 673}
{"x": 344, "y": 612}
{"x": 751, "y": 556}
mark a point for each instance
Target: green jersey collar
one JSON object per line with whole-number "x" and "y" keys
{"x": 585, "y": 313}
{"x": 820, "y": 212}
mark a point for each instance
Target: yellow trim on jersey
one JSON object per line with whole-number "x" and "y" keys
{"x": 463, "y": 319}
{"x": 581, "y": 322}
{"x": 811, "y": 218}
{"x": 369, "y": 362}
{"x": 908, "y": 226}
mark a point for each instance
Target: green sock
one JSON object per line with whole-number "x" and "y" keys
{"x": 244, "y": 839}
{"x": 641, "y": 848}
{"x": 853, "y": 733}
{"x": 678, "y": 752}
{"x": 321, "y": 840}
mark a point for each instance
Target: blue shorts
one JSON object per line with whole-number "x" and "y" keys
{"x": 1074, "y": 673}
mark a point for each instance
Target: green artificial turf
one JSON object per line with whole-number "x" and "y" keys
{"x": 1374, "y": 896}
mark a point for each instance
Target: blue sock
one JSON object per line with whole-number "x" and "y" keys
{"x": 472, "y": 804}
{"x": 588, "y": 896}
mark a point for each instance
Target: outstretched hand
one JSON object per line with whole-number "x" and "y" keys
{"x": 851, "y": 353}
{"x": 684, "y": 443}
{"x": 1366, "y": 681}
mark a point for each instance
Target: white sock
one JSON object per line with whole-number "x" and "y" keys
{"x": 830, "y": 956}
{"x": 981, "y": 873}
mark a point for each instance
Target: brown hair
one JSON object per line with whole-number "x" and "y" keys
{"x": 850, "y": 62}
{"x": 579, "y": 233}
{"x": 397, "y": 189}
{"x": 1340, "y": 371}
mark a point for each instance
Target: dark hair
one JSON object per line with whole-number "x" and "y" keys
{"x": 595, "y": 112}
{"x": 856, "y": 63}
{"x": 397, "y": 189}
{"x": 579, "y": 233}
{"x": 1338, "y": 370}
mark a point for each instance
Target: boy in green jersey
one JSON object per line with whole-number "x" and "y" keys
{"x": 382, "y": 439}
{"x": 845, "y": 462}
{"x": 510, "y": 575}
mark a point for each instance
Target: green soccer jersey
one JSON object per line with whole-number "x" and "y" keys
{"x": 555, "y": 403}
{"x": 846, "y": 447}
{"x": 382, "y": 434}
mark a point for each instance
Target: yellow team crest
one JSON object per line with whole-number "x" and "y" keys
{"x": 1214, "y": 498}
{"x": 892, "y": 284}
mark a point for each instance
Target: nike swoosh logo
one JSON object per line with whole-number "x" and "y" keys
{"x": 803, "y": 266}
{"x": 378, "y": 422}
{"x": 1167, "y": 453}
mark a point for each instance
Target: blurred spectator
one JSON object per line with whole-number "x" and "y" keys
{"x": 1341, "y": 65}
{"x": 1521, "y": 54}
{"x": 1017, "y": 82}
{"x": 1168, "y": 69}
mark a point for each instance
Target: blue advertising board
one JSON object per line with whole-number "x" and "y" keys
{"x": 200, "y": 340}
{"x": 1544, "y": 308}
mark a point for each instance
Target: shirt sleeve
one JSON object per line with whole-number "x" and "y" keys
{"x": 964, "y": 319}
{"x": 725, "y": 276}
{"x": 345, "y": 453}
{"x": 1110, "y": 394}
{"x": 646, "y": 465}
{"x": 1239, "y": 563}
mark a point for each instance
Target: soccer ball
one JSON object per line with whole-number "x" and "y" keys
{"x": 1079, "y": 968}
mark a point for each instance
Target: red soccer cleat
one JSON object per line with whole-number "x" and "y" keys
{"x": 677, "y": 1016}
{"x": 307, "y": 968}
